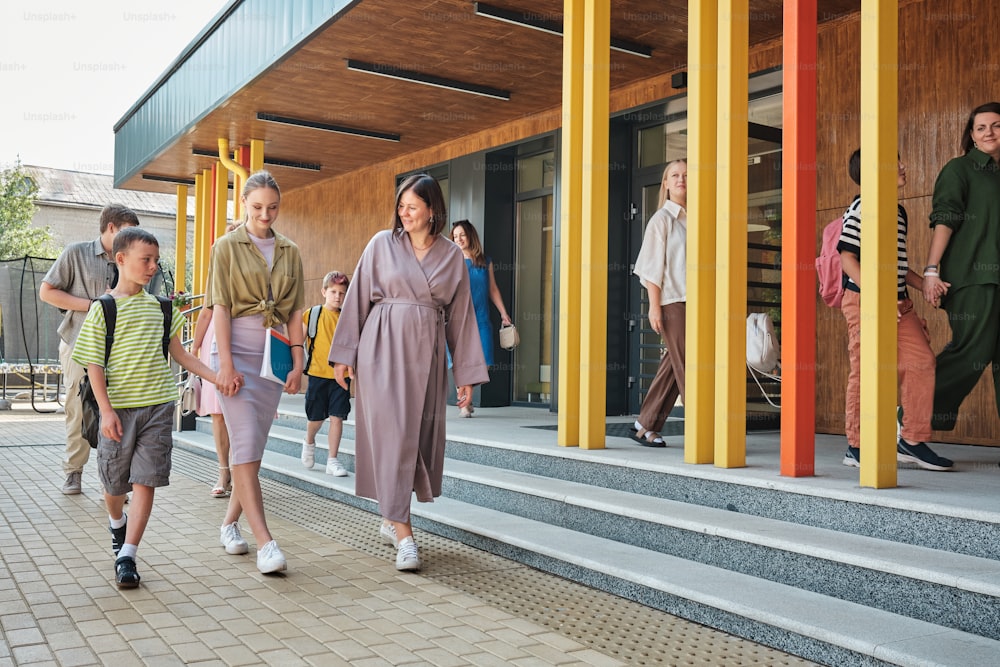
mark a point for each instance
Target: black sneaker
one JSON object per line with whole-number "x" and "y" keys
{"x": 922, "y": 455}
{"x": 118, "y": 537}
{"x": 853, "y": 457}
{"x": 125, "y": 574}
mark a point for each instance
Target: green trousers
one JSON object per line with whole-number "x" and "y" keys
{"x": 974, "y": 317}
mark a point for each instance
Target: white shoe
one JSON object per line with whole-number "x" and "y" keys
{"x": 270, "y": 559}
{"x": 308, "y": 454}
{"x": 335, "y": 467}
{"x": 407, "y": 558}
{"x": 465, "y": 412}
{"x": 388, "y": 533}
{"x": 231, "y": 538}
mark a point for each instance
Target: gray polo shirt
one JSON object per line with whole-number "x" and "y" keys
{"x": 84, "y": 270}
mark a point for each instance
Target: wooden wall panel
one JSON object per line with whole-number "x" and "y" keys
{"x": 946, "y": 68}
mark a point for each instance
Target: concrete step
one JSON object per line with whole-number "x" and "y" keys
{"x": 883, "y": 516}
{"x": 778, "y": 613}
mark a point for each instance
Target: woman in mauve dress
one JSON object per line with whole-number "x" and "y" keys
{"x": 256, "y": 283}
{"x": 408, "y": 299}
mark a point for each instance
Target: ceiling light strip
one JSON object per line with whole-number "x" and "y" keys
{"x": 394, "y": 72}
{"x": 327, "y": 127}
{"x": 272, "y": 161}
{"x": 541, "y": 23}
{"x": 168, "y": 179}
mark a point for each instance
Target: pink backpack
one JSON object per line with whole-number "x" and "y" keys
{"x": 828, "y": 268}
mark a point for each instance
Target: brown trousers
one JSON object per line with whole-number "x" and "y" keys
{"x": 668, "y": 384}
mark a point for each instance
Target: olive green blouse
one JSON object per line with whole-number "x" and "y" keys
{"x": 238, "y": 278}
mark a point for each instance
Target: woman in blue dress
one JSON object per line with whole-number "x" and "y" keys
{"x": 484, "y": 288}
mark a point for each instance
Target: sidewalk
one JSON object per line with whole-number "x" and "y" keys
{"x": 341, "y": 601}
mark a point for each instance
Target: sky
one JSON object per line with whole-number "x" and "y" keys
{"x": 69, "y": 70}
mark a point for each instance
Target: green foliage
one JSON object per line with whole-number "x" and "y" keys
{"x": 17, "y": 206}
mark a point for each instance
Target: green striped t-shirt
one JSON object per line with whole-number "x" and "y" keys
{"x": 138, "y": 374}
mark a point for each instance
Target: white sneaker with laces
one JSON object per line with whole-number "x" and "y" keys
{"x": 231, "y": 538}
{"x": 308, "y": 454}
{"x": 270, "y": 559}
{"x": 388, "y": 533}
{"x": 407, "y": 558}
{"x": 335, "y": 467}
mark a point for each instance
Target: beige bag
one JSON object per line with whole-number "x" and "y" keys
{"x": 508, "y": 337}
{"x": 191, "y": 394}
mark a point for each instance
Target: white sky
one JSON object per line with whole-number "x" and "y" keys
{"x": 69, "y": 70}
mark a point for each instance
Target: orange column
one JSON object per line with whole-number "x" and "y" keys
{"x": 798, "y": 243}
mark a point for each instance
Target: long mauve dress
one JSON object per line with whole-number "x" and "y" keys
{"x": 397, "y": 318}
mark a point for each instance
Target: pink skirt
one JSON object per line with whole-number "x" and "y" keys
{"x": 250, "y": 413}
{"x": 209, "y": 355}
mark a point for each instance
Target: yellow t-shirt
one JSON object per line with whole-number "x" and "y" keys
{"x": 327, "y": 324}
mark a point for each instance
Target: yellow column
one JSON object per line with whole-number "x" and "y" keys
{"x": 206, "y": 227}
{"x": 180, "y": 256}
{"x": 221, "y": 198}
{"x": 879, "y": 44}
{"x": 198, "y": 283}
{"x": 731, "y": 304}
{"x": 256, "y": 155}
{"x": 699, "y": 390}
{"x": 569, "y": 225}
{"x": 594, "y": 246}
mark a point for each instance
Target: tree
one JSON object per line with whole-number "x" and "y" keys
{"x": 17, "y": 206}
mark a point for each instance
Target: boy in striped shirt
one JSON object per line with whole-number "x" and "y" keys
{"x": 915, "y": 360}
{"x": 136, "y": 394}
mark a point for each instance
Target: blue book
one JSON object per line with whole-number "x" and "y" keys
{"x": 277, "y": 357}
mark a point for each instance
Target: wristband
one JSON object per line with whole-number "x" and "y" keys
{"x": 930, "y": 266}
{"x": 297, "y": 345}
{"x": 930, "y": 274}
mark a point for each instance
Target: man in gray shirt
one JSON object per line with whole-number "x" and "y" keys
{"x": 83, "y": 272}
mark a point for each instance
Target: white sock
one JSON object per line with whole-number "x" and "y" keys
{"x": 638, "y": 426}
{"x": 117, "y": 523}
{"x": 128, "y": 551}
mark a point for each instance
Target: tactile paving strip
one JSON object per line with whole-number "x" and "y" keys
{"x": 620, "y": 628}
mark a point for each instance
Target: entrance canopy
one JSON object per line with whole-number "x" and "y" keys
{"x": 331, "y": 86}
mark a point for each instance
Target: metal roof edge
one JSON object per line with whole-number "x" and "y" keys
{"x": 339, "y": 8}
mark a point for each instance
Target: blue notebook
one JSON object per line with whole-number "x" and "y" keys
{"x": 277, "y": 357}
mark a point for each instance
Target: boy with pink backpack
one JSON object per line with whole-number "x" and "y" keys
{"x": 915, "y": 359}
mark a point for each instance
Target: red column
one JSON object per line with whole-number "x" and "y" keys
{"x": 798, "y": 246}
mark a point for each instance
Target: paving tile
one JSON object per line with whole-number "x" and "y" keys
{"x": 340, "y": 603}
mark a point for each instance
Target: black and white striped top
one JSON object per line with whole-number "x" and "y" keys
{"x": 850, "y": 240}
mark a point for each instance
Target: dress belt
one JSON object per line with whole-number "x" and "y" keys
{"x": 407, "y": 302}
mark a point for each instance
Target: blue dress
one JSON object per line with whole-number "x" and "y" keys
{"x": 479, "y": 282}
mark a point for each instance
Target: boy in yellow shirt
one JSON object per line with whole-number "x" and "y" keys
{"x": 324, "y": 397}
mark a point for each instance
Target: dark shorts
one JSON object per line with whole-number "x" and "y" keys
{"x": 143, "y": 454}
{"x": 325, "y": 398}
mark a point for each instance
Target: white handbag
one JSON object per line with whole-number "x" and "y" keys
{"x": 508, "y": 337}
{"x": 762, "y": 343}
{"x": 763, "y": 353}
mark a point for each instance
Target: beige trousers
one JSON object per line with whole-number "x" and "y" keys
{"x": 77, "y": 448}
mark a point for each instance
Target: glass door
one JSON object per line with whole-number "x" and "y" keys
{"x": 533, "y": 286}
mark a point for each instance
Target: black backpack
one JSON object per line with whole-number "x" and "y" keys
{"x": 91, "y": 410}
{"x": 311, "y": 328}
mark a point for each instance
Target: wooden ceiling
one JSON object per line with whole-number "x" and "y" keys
{"x": 438, "y": 38}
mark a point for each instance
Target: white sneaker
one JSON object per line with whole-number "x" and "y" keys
{"x": 465, "y": 412}
{"x": 335, "y": 467}
{"x": 270, "y": 559}
{"x": 231, "y": 538}
{"x": 308, "y": 454}
{"x": 407, "y": 558}
{"x": 388, "y": 533}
